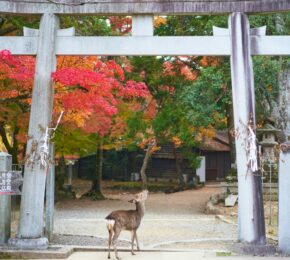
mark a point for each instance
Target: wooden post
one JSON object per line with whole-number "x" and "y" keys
{"x": 5, "y": 202}
{"x": 50, "y": 184}
{"x": 32, "y": 202}
{"x": 284, "y": 199}
{"x": 251, "y": 223}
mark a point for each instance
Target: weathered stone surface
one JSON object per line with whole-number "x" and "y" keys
{"x": 50, "y": 253}
{"x": 231, "y": 200}
{"x": 142, "y": 6}
{"x": 210, "y": 208}
{"x": 284, "y": 200}
{"x": 32, "y": 200}
{"x": 254, "y": 250}
{"x": 145, "y": 45}
{"x": 251, "y": 215}
{"x": 22, "y": 243}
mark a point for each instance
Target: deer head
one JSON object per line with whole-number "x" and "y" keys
{"x": 140, "y": 197}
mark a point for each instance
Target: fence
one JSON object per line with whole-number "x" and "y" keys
{"x": 270, "y": 190}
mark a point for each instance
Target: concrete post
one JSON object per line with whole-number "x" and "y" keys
{"x": 5, "y": 202}
{"x": 50, "y": 187}
{"x": 284, "y": 199}
{"x": 251, "y": 223}
{"x": 32, "y": 203}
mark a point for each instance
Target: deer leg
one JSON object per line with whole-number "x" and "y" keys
{"x": 135, "y": 235}
{"x": 110, "y": 242}
{"x": 115, "y": 237}
{"x": 132, "y": 242}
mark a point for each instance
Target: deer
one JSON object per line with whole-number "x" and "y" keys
{"x": 126, "y": 220}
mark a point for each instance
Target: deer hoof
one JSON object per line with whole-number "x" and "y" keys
{"x": 133, "y": 253}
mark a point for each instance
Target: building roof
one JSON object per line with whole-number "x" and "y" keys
{"x": 101, "y": 7}
{"x": 219, "y": 143}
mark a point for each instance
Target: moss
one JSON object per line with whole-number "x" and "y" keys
{"x": 223, "y": 253}
{"x": 5, "y": 256}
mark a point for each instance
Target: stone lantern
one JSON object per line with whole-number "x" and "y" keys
{"x": 268, "y": 142}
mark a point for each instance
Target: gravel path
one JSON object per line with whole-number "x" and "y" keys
{"x": 171, "y": 221}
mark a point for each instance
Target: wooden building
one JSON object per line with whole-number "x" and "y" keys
{"x": 217, "y": 156}
{"x": 119, "y": 165}
{"x": 215, "y": 150}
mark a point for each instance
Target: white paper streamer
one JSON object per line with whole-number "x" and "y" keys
{"x": 44, "y": 148}
{"x": 251, "y": 148}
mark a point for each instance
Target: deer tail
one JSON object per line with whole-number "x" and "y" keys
{"x": 110, "y": 224}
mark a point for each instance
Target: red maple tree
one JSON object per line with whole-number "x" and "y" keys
{"x": 94, "y": 92}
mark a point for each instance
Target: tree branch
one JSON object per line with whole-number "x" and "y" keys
{"x": 13, "y": 99}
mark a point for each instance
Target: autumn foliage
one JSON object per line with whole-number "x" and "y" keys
{"x": 16, "y": 80}
{"x": 19, "y": 71}
{"x": 96, "y": 94}
{"x": 91, "y": 91}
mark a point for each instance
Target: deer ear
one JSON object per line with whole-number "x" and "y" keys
{"x": 132, "y": 201}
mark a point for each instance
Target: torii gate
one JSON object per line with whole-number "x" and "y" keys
{"x": 238, "y": 42}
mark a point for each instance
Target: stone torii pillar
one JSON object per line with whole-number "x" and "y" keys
{"x": 284, "y": 199}
{"x": 251, "y": 224}
{"x": 30, "y": 233}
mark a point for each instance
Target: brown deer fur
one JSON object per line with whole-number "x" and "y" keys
{"x": 126, "y": 220}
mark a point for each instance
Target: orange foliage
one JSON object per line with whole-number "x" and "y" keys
{"x": 208, "y": 61}
{"x": 176, "y": 141}
{"x": 205, "y": 133}
{"x": 159, "y": 20}
{"x": 188, "y": 73}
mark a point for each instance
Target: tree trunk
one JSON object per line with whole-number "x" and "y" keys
{"x": 144, "y": 166}
{"x": 231, "y": 127}
{"x": 60, "y": 176}
{"x": 15, "y": 145}
{"x": 96, "y": 190}
{"x": 178, "y": 164}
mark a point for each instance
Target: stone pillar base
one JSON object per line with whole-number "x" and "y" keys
{"x": 29, "y": 243}
{"x": 254, "y": 250}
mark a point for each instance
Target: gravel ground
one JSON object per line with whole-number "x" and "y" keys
{"x": 59, "y": 239}
{"x": 171, "y": 221}
{"x": 270, "y": 211}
